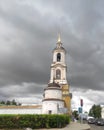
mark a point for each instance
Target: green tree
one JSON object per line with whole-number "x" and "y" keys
{"x": 75, "y": 114}
{"x": 95, "y": 111}
{"x": 2, "y": 102}
{"x": 13, "y": 102}
{"x": 8, "y": 102}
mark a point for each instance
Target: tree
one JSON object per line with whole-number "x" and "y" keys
{"x": 75, "y": 114}
{"x": 95, "y": 111}
{"x": 13, "y": 102}
{"x": 2, "y": 102}
{"x": 8, "y": 102}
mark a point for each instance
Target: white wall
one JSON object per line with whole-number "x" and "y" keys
{"x": 49, "y": 106}
{"x": 102, "y": 112}
{"x": 50, "y": 93}
{"x": 20, "y": 111}
{"x": 52, "y": 105}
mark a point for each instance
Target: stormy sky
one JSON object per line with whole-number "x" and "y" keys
{"x": 28, "y": 34}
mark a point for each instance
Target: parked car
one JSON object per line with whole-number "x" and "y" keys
{"x": 99, "y": 122}
{"x": 91, "y": 121}
{"x": 90, "y": 117}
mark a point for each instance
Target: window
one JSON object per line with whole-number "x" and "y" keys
{"x": 58, "y": 57}
{"x": 58, "y": 74}
{"x": 50, "y": 112}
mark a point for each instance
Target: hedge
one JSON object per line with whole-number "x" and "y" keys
{"x": 33, "y": 121}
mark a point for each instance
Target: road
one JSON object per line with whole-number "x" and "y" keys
{"x": 95, "y": 127}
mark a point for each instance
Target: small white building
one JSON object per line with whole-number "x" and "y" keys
{"x": 52, "y": 102}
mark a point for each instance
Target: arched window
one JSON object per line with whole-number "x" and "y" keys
{"x": 58, "y": 57}
{"x": 58, "y": 74}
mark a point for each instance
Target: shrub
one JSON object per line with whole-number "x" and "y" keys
{"x": 33, "y": 121}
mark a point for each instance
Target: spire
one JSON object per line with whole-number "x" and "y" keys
{"x": 59, "y": 39}
{"x": 59, "y": 44}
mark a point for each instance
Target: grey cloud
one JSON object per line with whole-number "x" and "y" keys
{"x": 22, "y": 90}
{"x": 29, "y": 33}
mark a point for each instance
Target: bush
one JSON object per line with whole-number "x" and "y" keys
{"x": 33, "y": 121}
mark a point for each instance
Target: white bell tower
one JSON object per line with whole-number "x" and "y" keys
{"x": 57, "y": 96}
{"x": 58, "y": 67}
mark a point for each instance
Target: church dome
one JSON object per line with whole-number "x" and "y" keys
{"x": 54, "y": 85}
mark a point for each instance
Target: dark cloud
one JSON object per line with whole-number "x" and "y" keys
{"x": 28, "y": 33}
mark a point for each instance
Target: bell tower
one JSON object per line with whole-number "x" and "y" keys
{"x": 58, "y": 73}
{"x": 58, "y": 67}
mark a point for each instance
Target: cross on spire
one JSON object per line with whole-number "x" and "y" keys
{"x": 59, "y": 39}
{"x": 59, "y": 44}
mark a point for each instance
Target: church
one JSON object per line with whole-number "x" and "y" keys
{"x": 57, "y": 96}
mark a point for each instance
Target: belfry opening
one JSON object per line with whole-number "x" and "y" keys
{"x": 58, "y": 57}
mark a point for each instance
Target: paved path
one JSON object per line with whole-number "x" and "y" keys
{"x": 77, "y": 126}
{"x": 72, "y": 126}
{"x": 96, "y": 127}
